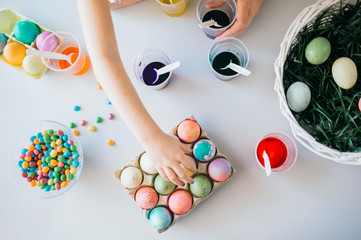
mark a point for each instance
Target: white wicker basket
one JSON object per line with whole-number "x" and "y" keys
{"x": 307, "y": 15}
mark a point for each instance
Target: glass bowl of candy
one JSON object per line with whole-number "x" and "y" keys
{"x": 47, "y": 159}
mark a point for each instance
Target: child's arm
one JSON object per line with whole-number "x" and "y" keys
{"x": 122, "y": 3}
{"x": 167, "y": 152}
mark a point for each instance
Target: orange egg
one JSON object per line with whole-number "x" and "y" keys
{"x": 14, "y": 53}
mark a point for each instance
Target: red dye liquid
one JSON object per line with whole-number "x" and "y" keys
{"x": 275, "y": 149}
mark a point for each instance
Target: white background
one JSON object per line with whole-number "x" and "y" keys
{"x": 316, "y": 199}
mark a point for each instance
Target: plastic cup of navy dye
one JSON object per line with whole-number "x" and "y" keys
{"x": 224, "y": 15}
{"x": 224, "y": 51}
{"x": 274, "y": 143}
{"x": 144, "y": 64}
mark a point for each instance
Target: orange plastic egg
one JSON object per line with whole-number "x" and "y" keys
{"x": 14, "y": 53}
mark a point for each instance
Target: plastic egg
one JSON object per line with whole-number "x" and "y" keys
{"x": 180, "y": 202}
{"x": 26, "y": 31}
{"x": 344, "y": 72}
{"x": 298, "y": 96}
{"x": 33, "y": 65}
{"x": 51, "y": 43}
{"x": 201, "y": 186}
{"x": 147, "y": 165}
{"x": 14, "y": 53}
{"x": 160, "y": 217}
{"x": 163, "y": 186}
{"x": 188, "y": 131}
{"x": 146, "y": 197}
{"x": 204, "y": 150}
{"x": 318, "y": 50}
{"x": 3, "y": 40}
{"x": 219, "y": 169}
{"x": 131, "y": 177}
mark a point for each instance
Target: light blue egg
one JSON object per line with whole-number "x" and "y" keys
{"x": 3, "y": 40}
{"x": 160, "y": 218}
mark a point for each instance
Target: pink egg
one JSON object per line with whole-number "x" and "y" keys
{"x": 180, "y": 202}
{"x": 359, "y": 104}
{"x": 188, "y": 131}
{"x": 51, "y": 43}
{"x": 146, "y": 197}
{"x": 219, "y": 169}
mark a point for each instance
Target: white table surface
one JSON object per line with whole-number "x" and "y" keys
{"x": 316, "y": 199}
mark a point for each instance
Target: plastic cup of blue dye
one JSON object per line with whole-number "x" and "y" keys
{"x": 145, "y": 63}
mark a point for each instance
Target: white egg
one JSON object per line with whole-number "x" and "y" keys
{"x": 131, "y": 177}
{"x": 298, "y": 96}
{"x": 147, "y": 165}
{"x": 344, "y": 72}
{"x": 33, "y": 65}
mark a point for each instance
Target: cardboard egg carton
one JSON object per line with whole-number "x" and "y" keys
{"x": 8, "y": 20}
{"x": 148, "y": 179}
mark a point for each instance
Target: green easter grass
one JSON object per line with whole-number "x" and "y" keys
{"x": 333, "y": 117}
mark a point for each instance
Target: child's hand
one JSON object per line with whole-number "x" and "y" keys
{"x": 247, "y": 9}
{"x": 167, "y": 153}
{"x": 121, "y": 3}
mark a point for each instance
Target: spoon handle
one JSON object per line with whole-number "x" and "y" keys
{"x": 267, "y": 164}
{"x": 239, "y": 69}
{"x": 168, "y": 68}
{"x": 45, "y": 54}
{"x": 208, "y": 24}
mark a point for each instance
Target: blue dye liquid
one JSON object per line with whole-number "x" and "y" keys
{"x": 149, "y": 74}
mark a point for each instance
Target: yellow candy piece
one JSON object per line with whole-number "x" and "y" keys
{"x": 91, "y": 128}
{"x": 73, "y": 170}
{"x": 45, "y": 132}
{"x": 25, "y": 165}
{"x": 53, "y": 153}
{"x": 58, "y": 141}
{"x": 65, "y": 150}
{"x": 52, "y": 144}
{"x": 50, "y": 181}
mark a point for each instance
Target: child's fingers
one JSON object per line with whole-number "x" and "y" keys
{"x": 182, "y": 173}
{"x": 173, "y": 177}
{"x": 162, "y": 173}
{"x": 215, "y": 4}
{"x": 187, "y": 163}
{"x": 185, "y": 148}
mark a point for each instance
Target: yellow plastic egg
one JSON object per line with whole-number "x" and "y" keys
{"x": 14, "y": 53}
{"x": 344, "y": 72}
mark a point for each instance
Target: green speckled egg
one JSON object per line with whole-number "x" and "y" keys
{"x": 201, "y": 186}
{"x": 318, "y": 50}
{"x": 163, "y": 186}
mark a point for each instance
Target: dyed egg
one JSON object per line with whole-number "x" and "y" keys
{"x": 51, "y": 43}
{"x": 188, "y": 131}
{"x": 318, "y": 50}
{"x": 26, "y": 31}
{"x": 146, "y": 197}
{"x": 147, "y": 165}
{"x": 14, "y": 53}
{"x": 163, "y": 186}
{"x": 3, "y": 40}
{"x": 344, "y": 72}
{"x": 160, "y": 218}
{"x": 131, "y": 177}
{"x": 189, "y": 173}
{"x": 219, "y": 169}
{"x": 359, "y": 104}
{"x": 201, "y": 186}
{"x": 274, "y": 149}
{"x": 180, "y": 202}
{"x": 204, "y": 150}
{"x": 33, "y": 65}
{"x": 298, "y": 96}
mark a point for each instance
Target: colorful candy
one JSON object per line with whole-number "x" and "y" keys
{"x": 51, "y": 161}
{"x": 111, "y": 116}
{"x": 82, "y": 122}
{"x": 91, "y": 128}
{"x": 99, "y": 86}
{"x": 72, "y": 125}
{"x": 99, "y": 120}
{"x": 76, "y": 108}
{"x": 110, "y": 142}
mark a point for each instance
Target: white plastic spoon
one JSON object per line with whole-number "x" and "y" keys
{"x": 237, "y": 68}
{"x": 50, "y": 55}
{"x": 165, "y": 69}
{"x": 208, "y": 24}
{"x": 267, "y": 164}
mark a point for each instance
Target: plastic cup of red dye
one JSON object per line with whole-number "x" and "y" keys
{"x": 68, "y": 44}
{"x": 145, "y": 63}
{"x": 281, "y": 150}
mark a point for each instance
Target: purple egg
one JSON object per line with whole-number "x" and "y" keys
{"x": 51, "y": 43}
{"x": 219, "y": 169}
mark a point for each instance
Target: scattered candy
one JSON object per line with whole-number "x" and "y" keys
{"x": 83, "y": 122}
{"x": 76, "y": 108}
{"x": 91, "y": 128}
{"x": 99, "y": 120}
{"x": 72, "y": 125}
{"x": 110, "y": 142}
{"x": 99, "y": 86}
{"x": 111, "y": 116}
{"x": 109, "y": 102}
{"x": 76, "y": 132}
{"x": 51, "y": 161}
